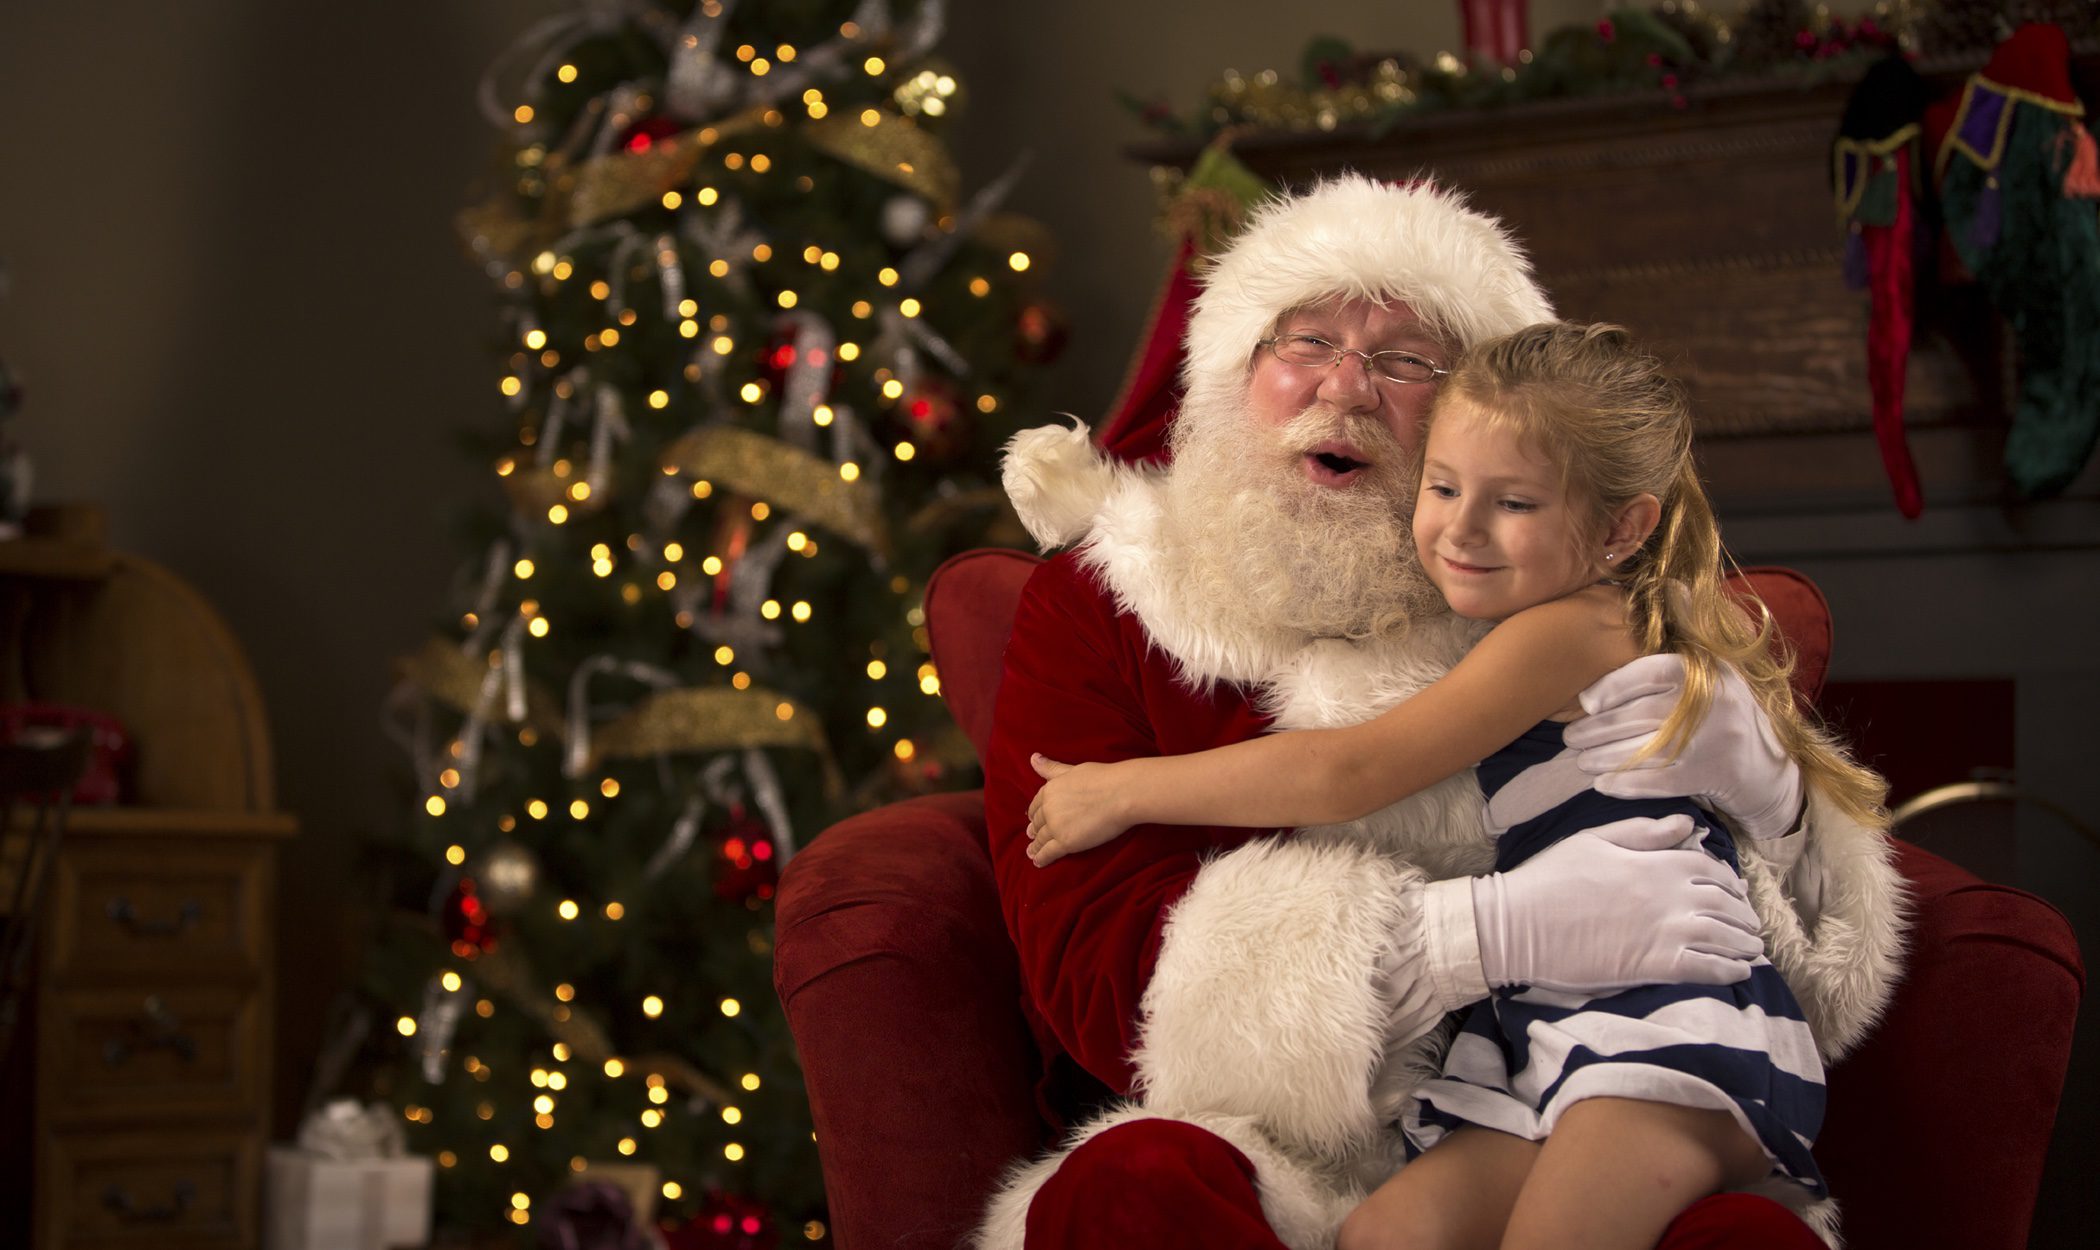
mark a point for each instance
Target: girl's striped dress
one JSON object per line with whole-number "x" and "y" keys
{"x": 1527, "y": 1054}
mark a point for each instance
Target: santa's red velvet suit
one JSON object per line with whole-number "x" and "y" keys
{"x": 1263, "y": 1000}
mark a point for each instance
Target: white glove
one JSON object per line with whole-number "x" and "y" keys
{"x": 1625, "y": 904}
{"x": 1732, "y": 763}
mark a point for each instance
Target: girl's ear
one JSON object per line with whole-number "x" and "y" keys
{"x": 1631, "y": 525}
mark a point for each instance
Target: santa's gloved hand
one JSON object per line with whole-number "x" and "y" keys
{"x": 1625, "y": 904}
{"x": 1733, "y": 764}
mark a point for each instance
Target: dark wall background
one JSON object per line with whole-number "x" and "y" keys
{"x": 248, "y": 332}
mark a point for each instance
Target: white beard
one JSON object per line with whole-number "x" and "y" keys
{"x": 1271, "y": 552}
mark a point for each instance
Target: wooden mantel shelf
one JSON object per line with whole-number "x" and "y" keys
{"x": 1710, "y": 231}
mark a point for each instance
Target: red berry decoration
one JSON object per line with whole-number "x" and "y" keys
{"x": 746, "y": 864}
{"x": 932, "y": 414}
{"x": 725, "y": 1222}
{"x": 466, "y": 921}
{"x": 645, "y": 133}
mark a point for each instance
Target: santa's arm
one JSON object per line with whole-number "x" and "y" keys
{"x": 1217, "y": 970}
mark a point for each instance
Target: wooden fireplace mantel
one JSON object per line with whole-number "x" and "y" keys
{"x": 1711, "y": 232}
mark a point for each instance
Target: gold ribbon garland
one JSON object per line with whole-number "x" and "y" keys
{"x": 714, "y": 719}
{"x": 693, "y": 719}
{"x": 895, "y": 150}
{"x": 441, "y": 670}
{"x": 766, "y": 468}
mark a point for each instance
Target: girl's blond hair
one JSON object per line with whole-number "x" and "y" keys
{"x": 1619, "y": 426}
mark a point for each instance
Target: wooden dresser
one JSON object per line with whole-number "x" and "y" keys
{"x": 136, "y": 1103}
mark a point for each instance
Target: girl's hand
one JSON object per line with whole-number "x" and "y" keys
{"x": 1079, "y": 807}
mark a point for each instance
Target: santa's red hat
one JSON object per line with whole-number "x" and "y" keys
{"x": 1415, "y": 243}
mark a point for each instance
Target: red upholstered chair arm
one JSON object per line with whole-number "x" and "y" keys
{"x": 1938, "y": 1125}
{"x": 900, "y": 988}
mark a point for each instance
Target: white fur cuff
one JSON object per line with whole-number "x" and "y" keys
{"x": 1057, "y": 481}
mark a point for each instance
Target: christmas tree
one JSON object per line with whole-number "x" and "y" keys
{"x": 758, "y": 354}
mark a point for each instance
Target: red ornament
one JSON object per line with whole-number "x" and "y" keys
{"x": 466, "y": 921}
{"x": 1606, "y": 31}
{"x": 746, "y": 865}
{"x": 724, "y": 1222}
{"x": 645, "y": 133}
{"x": 932, "y": 414}
{"x": 1040, "y": 333}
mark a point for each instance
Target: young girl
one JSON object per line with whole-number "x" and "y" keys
{"x": 1559, "y": 498}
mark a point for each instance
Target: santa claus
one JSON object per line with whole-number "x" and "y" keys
{"x": 1231, "y": 1017}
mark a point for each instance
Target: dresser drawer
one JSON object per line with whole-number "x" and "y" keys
{"x": 180, "y": 1051}
{"x": 131, "y": 909}
{"x": 190, "y": 1189}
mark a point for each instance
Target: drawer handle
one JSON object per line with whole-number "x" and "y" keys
{"x": 121, "y": 911}
{"x": 159, "y": 1028}
{"x": 118, "y": 1199}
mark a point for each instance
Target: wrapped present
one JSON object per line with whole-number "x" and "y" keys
{"x": 347, "y": 1185}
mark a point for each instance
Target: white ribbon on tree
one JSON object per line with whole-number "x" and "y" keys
{"x": 807, "y": 381}
{"x": 577, "y": 749}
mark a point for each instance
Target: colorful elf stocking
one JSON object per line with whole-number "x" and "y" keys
{"x": 1874, "y": 172}
{"x": 2018, "y": 177}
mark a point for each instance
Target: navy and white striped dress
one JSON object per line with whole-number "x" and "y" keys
{"x": 1526, "y": 1054}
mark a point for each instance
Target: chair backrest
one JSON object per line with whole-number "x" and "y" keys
{"x": 971, "y": 601}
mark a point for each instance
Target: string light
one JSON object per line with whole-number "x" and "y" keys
{"x": 614, "y": 1068}
{"x": 711, "y": 565}
{"x": 628, "y": 1145}
{"x": 522, "y": 114}
{"x": 609, "y": 788}
{"x": 904, "y": 749}
{"x": 511, "y": 386}
{"x": 672, "y": 1189}
{"x": 849, "y": 471}
{"x": 613, "y": 911}
{"x": 1018, "y": 262}
{"x": 651, "y": 1117}
{"x": 523, "y": 569}
{"x": 731, "y": 1007}
{"x": 733, "y": 1152}
{"x": 568, "y": 910}
{"x": 761, "y": 510}
{"x": 731, "y": 1115}
{"x": 886, "y": 276}
{"x": 877, "y": 718}
{"x": 652, "y": 1006}
{"x": 499, "y": 1152}
{"x": 849, "y": 352}
{"x": 770, "y": 609}
{"x": 405, "y": 1026}
{"x": 705, "y": 197}
{"x": 749, "y": 1081}
{"x": 451, "y": 981}
{"x": 908, "y": 307}
{"x": 906, "y": 451}
{"x": 659, "y": 399}
{"x": 435, "y": 805}
{"x": 538, "y": 627}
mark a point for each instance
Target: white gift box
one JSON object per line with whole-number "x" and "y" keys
{"x": 317, "y": 1203}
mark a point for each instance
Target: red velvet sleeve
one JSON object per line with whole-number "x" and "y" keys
{"x": 1080, "y": 682}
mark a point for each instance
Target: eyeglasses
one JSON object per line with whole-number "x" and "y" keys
{"x": 1312, "y": 352}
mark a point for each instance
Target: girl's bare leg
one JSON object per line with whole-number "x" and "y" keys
{"x": 1616, "y": 1171}
{"x": 1457, "y": 1196}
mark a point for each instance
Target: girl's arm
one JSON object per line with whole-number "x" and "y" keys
{"x": 1527, "y": 668}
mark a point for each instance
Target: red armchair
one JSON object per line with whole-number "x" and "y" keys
{"x": 900, "y": 988}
